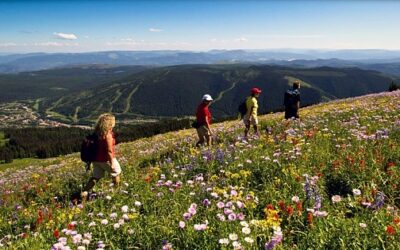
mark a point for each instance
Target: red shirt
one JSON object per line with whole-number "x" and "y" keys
{"x": 202, "y": 113}
{"x": 102, "y": 149}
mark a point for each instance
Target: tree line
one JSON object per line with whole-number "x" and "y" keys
{"x": 52, "y": 142}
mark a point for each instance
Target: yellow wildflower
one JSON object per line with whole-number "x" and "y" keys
{"x": 214, "y": 178}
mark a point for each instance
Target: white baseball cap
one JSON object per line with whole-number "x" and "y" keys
{"x": 207, "y": 97}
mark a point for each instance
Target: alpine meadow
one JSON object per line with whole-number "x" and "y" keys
{"x": 199, "y": 125}
{"x": 327, "y": 181}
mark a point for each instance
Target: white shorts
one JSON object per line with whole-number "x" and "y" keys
{"x": 99, "y": 168}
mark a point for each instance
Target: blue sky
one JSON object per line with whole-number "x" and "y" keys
{"x": 78, "y": 26}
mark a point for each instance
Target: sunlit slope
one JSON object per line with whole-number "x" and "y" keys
{"x": 175, "y": 91}
{"x": 328, "y": 181}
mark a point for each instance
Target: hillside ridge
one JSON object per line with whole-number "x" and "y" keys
{"x": 312, "y": 183}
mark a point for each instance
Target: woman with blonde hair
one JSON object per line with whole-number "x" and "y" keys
{"x": 105, "y": 160}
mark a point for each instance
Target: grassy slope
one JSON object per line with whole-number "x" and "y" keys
{"x": 263, "y": 171}
{"x": 2, "y": 139}
{"x": 179, "y": 86}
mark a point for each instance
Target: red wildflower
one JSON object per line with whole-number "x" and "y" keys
{"x": 71, "y": 226}
{"x": 299, "y": 207}
{"x": 391, "y": 164}
{"x": 147, "y": 179}
{"x": 39, "y": 219}
{"x": 310, "y": 218}
{"x": 282, "y": 205}
{"x": 56, "y": 233}
{"x": 390, "y": 230}
{"x": 289, "y": 210}
{"x": 270, "y": 207}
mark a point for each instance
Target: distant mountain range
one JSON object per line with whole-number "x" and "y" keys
{"x": 39, "y": 61}
{"x": 175, "y": 91}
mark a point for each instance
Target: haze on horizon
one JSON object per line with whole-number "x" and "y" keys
{"x": 83, "y": 26}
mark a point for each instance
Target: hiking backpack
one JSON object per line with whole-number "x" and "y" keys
{"x": 291, "y": 97}
{"x": 89, "y": 149}
{"x": 242, "y": 109}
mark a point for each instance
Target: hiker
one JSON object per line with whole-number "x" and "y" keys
{"x": 105, "y": 160}
{"x": 250, "y": 117}
{"x": 292, "y": 101}
{"x": 203, "y": 121}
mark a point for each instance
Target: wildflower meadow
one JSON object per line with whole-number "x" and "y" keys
{"x": 327, "y": 181}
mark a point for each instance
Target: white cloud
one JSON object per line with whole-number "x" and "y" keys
{"x": 65, "y": 36}
{"x": 155, "y": 30}
{"x": 241, "y": 39}
{"x": 215, "y": 40}
{"x": 281, "y": 36}
{"x": 55, "y": 44}
{"x": 8, "y": 45}
{"x": 127, "y": 39}
{"x": 126, "y": 42}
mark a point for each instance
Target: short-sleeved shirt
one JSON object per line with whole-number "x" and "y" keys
{"x": 102, "y": 149}
{"x": 291, "y": 98}
{"x": 202, "y": 113}
{"x": 251, "y": 102}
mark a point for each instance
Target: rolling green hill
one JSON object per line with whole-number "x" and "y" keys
{"x": 61, "y": 81}
{"x": 176, "y": 90}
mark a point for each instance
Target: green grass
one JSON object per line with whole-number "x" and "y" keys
{"x": 58, "y": 116}
{"x": 2, "y": 139}
{"x": 20, "y": 163}
{"x": 293, "y": 79}
{"x": 36, "y": 105}
{"x": 339, "y": 156}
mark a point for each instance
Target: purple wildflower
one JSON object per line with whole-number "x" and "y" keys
{"x": 379, "y": 201}
{"x": 219, "y": 155}
{"x": 206, "y": 202}
{"x": 220, "y": 204}
{"x": 276, "y": 239}
{"x": 207, "y": 155}
{"x": 232, "y": 217}
{"x": 318, "y": 200}
{"x": 187, "y": 216}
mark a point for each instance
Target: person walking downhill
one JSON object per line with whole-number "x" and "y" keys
{"x": 203, "y": 118}
{"x": 105, "y": 160}
{"x": 251, "y": 114}
{"x": 292, "y": 101}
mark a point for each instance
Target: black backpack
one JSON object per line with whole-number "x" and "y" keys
{"x": 242, "y": 109}
{"x": 291, "y": 98}
{"x": 89, "y": 149}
